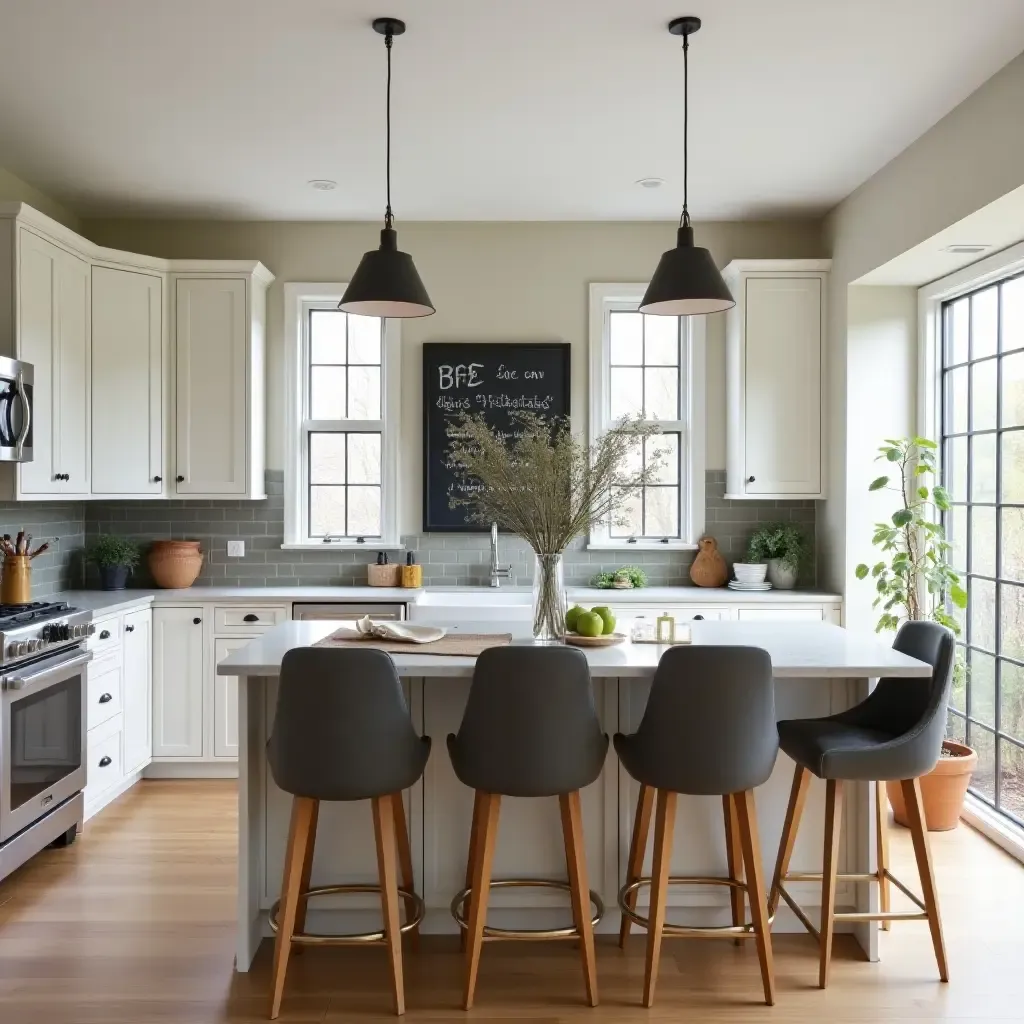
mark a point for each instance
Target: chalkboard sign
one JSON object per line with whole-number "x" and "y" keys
{"x": 493, "y": 378}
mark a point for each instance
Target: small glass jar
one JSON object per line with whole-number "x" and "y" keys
{"x": 641, "y": 630}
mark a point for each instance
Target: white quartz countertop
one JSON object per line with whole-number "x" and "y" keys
{"x": 804, "y": 649}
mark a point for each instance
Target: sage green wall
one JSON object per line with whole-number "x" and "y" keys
{"x": 13, "y": 189}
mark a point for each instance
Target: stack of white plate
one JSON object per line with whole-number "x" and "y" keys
{"x": 749, "y": 576}
{"x": 734, "y": 585}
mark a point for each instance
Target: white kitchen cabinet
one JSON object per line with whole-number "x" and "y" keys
{"x": 137, "y": 689}
{"x": 127, "y": 383}
{"x": 219, "y": 414}
{"x": 775, "y": 376}
{"x": 225, "y": 700}
{"x": 178, "y": 676}
{"x": 53, "y": 335}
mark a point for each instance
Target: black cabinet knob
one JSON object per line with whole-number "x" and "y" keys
{"x": 106, "y": 698}
{"x": 252, "y": 618}
{"x": 129, "y": 629}
{"x": 180, "y": 479}
{"x": 750, "y": 479}
{"x": 158, "y": 479}
{"x": 104, "y": 761}
{"x": 105, "y": 634}
{"x": 196, "y": 621}
{"x": 696, "y": 617}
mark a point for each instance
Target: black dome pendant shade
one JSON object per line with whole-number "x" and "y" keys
{"x": 386, "y": 282}
{"x": 687, "y": 282}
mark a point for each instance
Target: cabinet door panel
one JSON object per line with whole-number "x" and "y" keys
{"x": 177, "y": 682}
{"x": 127, "y": 382}
{"x": 782, "y": 376}
{"x": 225, "y": 700}
{"x": 73, "y": 368}
{"x": 210, "y": 354}
{"x": 138, "y": 690}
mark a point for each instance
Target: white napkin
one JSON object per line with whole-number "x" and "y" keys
{"x": 403, "y": 631}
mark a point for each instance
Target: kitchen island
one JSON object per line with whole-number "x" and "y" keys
{"x": 818, "y": 669}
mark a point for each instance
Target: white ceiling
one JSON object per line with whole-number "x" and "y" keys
{"x": 521, "y": 109}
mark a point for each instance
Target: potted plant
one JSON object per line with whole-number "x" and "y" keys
{"x": 783, "y": 547}
{"x": 914, "y": 581}
{"x": 115, "y": 558}
{"x": 538, "y": 481}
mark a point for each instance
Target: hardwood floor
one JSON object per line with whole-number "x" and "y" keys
{"x": 134, "y": 925}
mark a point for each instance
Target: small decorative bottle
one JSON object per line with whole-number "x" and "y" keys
{"x": 666, "y": 629}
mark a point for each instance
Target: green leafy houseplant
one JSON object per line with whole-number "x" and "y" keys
{"x": 114, "y": 557}
{"x": 606, "y": 580}
{"x": 539, "y": 481}
{"x": 783, "y": 541}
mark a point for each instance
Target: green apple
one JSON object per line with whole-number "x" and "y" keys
{"x": 606, "y": 617}
{"x": 571, "y": 616}
{"x": 589, "y": 624}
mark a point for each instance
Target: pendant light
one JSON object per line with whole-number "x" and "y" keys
{"x": 687, "y": 282}
{"x": 386, "y": 283}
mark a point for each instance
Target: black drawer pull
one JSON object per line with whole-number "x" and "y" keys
{"x": 106, "y": 698}
{"x": 196, "y": 621}
{"x": 158, "y": 479}
{"x": 104, "y": 761}
{"x": 696, "y": 617}
{"x": 105, "y": 634}
{"x": 129, "y": 629}
{"x": 252, "y": 618}
{"x": 180, "y": 479}
{"x": 750, "y": 479}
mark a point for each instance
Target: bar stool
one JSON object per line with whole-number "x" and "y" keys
{"x": 896, "y": 733}
{"x": 708, "y": 730}
{"x": 343, "y": 732}
{"x": 530, "y": 729}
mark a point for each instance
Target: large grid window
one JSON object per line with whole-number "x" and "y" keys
{"x": 982, "y": 427}
{"x": 642, "y": 367}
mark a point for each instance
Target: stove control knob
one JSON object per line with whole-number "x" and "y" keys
{"x": 80, "y": 631}
{"x": 22, "y": 648}
{"x": 12, "y": 650}
{"x": 90, "y": 630}
{"x": 34, "y": 645}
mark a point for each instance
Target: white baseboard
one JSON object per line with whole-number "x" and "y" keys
{"x": 994, "y": 826}
{"x": 192, "y": 770}
{"x": 96, "y": 804}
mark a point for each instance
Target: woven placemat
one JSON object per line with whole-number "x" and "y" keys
{"x": 454, "y": 645}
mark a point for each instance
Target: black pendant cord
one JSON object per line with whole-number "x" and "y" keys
{"x": 388, "y": 216}
{"x": 684, "y": 220}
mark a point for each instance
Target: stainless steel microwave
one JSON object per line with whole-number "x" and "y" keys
{"x": 16, "y": 385}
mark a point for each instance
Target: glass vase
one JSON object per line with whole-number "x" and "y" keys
{"x": 549, "y": 603}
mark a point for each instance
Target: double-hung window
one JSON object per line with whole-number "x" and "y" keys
{"x": 342, "y": 387}
{"x": 650, "y": 367}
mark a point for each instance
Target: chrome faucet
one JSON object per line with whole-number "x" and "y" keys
{"x": 498, "y": 572}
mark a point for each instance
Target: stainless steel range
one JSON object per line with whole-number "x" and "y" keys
{"x": 43, "y": 688}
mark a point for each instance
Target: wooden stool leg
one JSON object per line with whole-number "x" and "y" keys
{"x": 579, "y": 886}
{"x": 384, "y": 832}
{"x": 734, "y": 858}
{"x": 751, "y": 843}
{"x": 307, "y": 873}
{"x": 637, "y": 849}
{"x": 795, "y": 810}
{"x": 882, "y": 849}
{"x": 291, "y": 885}
{"x": 919, "y": 835}
{"x": 830, "y": 865}
{"x": 482, "y": 862}
{"x": 405, "y": 857}
{"x": 474, "y": 831}
{"x": 664, "y": 826}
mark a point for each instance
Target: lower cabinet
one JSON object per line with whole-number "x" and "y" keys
{"x": 225, "y": 700}
{"x": 137, "y": 690}
{"x": 178, "y": 682}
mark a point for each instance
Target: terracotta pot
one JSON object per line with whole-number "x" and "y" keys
{"x": 175, "y": 563}
{"x": 942, "y": 790}
{"x": 709, "y": 568}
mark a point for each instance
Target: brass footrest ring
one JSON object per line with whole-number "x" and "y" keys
{"x": 740, "y": 931}
{"x": 414, "y": 910}
{"x": 572, "y": 932}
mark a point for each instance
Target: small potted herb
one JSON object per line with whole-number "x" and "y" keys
{"x": 115, "y": 558}
{"x": 783, "y": 547}
{"x": 629, "y": 577}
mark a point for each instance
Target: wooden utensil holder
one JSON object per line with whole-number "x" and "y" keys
{"x": 384, "y": 575}
{"x": 16, "y": 584}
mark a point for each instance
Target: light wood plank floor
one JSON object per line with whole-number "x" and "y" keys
{"x": 134, "y": 925}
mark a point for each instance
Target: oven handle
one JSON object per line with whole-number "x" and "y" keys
{"x": 48, "y": 675}
{"x": 26, "y": 422}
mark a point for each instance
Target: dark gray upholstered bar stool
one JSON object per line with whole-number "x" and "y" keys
{"x": 530, "y": 729}
{"x": 343, "y": 732}
{"x": 708, "y": 730}
{"x": 896, "y": 734}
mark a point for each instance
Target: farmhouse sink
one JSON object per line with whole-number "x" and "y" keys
{"x": 472, "y": 604}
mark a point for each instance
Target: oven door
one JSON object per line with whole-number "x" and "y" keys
{"x": 16, "y": 384}
{"x": 42, "y": 742}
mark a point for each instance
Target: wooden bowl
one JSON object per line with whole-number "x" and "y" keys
{"x": 610, "y": 640}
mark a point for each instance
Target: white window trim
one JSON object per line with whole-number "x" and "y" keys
{"x": 604, "y": 298}
{"x": 296, "y": 490}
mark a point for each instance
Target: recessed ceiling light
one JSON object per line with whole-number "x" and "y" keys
{"x": 322, "y": 184}
{"x": 650, "y": 182}
{"x": 966, "y": 247}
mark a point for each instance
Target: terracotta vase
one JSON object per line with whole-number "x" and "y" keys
{"x": 709, "y": 568}
{"x": 175, "y": 564}
{"x": 943, "y": 790}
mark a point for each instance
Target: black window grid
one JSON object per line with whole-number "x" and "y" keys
{"x": 1002, "y": 741}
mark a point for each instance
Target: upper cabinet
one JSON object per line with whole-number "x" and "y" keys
{"x": 149, "y": 373}
{"x": 775, "y": 374}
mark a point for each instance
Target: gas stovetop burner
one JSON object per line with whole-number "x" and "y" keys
{"x": 35, "y": 611}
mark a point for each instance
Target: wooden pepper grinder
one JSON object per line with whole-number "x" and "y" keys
{"x": 709, "y": 568}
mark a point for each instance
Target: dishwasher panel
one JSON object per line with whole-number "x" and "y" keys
{"x": 346, "y": 611}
